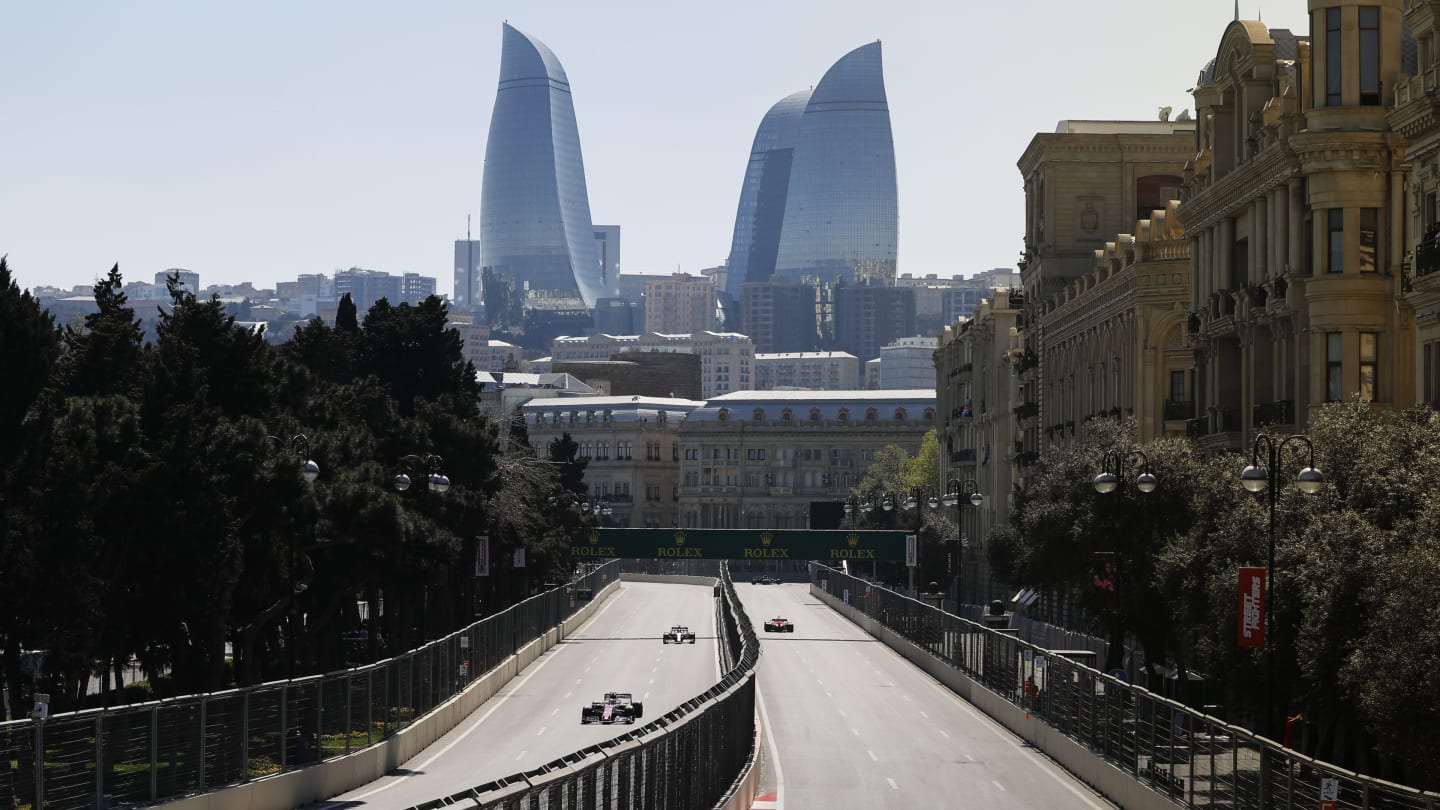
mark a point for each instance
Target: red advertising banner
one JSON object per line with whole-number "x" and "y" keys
{"x": 1252, "y": 607}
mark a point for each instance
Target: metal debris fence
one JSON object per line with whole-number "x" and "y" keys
{"x": 689, "y": 759}
{"x": 1198, "y": 761}
{"x": 149, "y": 752}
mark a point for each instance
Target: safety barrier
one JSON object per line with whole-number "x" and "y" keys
{"x": 1184, "y": 756}
{"x": 149, "y": 752}
{"x": 693, "y": 758}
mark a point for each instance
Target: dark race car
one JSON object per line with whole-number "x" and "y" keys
{"x": 616, "y": 707}
{"x": 679, "y": 634}
{"x": 779, "y": 625}
{"x": 762, "y": 579}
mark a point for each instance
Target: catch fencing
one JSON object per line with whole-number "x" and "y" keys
{"x": 1196, "y": 760}
{"x": 150, "y": 752}
{"x": 692, "y": 758}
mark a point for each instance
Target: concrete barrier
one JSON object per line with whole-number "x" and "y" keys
{"x": 670, "y": 579}
{"x": 332, "y": 777}
{"x": 1111, "y": 782}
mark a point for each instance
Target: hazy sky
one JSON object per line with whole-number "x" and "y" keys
{"x": 261, "y": 140}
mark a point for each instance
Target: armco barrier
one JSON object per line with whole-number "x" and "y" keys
{"x": 697, "y": 757}
{"x": 279, "y": 745}
{"x": 1142, "y": 751}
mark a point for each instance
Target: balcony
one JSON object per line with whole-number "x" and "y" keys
{"x": 618, "y": 499}
{"x": 1280, "y": 412}
{"x": 962, "y": 456}
{"x": 1176, "y": 409}
{"x": 1028, "y": 410}
{"x": 1197, "y": 428}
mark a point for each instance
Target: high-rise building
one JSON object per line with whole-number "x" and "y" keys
{"x": 841, "y": 215}
{"x": 189, "y": 281}
{"x": 366, "y": 287}
{"x": 415, "y": 288}
{"x": 467, "y": 276}
{"x": 908, "y": 363}
{"x": 679, "y": 302}
{"x": 780, "y": 315}
{"x": 762, "y": 196}
{"x": 535, "y": 228}
{"x": 868, "y": 316}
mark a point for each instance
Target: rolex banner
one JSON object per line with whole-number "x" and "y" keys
{"x": 482, "y": 555}
{"x": 827, "y": 546}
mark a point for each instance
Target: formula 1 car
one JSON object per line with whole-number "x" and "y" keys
{"x": 762, "y": 579}
{"x": 679, "y": 634}
{"x": 779, "y": 625}
{"x": 616, "y": 707}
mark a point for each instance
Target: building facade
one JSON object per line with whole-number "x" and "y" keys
{"x": 679, "y": 303}
{"x": 468, "y": 294}
{"x": 788, "y": 459}
{"x": 868, "y": 316}
{"x": 631, "y": 448}
{"x": 607, "y": 254}
{"x": 1116, "y": 340}
{"x": 727, "y": 359}
{"x": 815, "y": 371}
{"x": 1295, "y": 210}
{"x": 908, "y": 363}
{"x": 535, "y": 228}
{"x": 761, "y": 212}
{"x": 781, "y": 316}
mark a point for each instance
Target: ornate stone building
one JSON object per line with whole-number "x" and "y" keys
{"x": 1294, "y": 206}
{"x": 978, "y": 397}
{"x": 1084, "y": 183}
{"x": 789, "y": 459}
{"x": 632, "y": 447}
{"x": 1416, "y": 116}
{"x": 1115, "y": 340}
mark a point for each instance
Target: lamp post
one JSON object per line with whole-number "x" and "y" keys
{"x": 430, "y": 466}
{"x": 1258, "y": 477}
{"x": 600, "y": 508}
{"x": 1112, "y": 466}
{"x": 309, "y": 470}
{"x": 912, "y": 504}
{"x": 957, "y": 494}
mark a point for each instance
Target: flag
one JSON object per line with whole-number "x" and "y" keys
{"x": 482, "y": 555}
{"x": 1252, "y": 607}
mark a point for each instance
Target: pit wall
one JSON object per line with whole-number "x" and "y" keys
{"x": 333, "y": 777}
{"x": 1113, "y": 783}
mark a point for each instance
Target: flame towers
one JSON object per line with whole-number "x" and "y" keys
{"x": 819, "y": 197}
{"x": 535, "y": 229}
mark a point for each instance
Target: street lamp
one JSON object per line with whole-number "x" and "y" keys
{"x": 429, "y": 465}
{"x": 1112, "y": 466}
{"x": 600, "y": 508}
{"x": 912, "y": 503}
{"x": 1266, "y": 478}
{"x": 957, "y": 494}
{"x": 309, "y": 471}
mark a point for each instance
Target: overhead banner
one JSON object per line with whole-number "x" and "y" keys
{"x": 828, "y": 546}
{"x": 482, "y": 556}
{"x": 1252, "y": 607}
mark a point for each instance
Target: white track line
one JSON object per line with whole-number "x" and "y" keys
{"x": 774, "y": 753}
{"x": 609, "y": 601}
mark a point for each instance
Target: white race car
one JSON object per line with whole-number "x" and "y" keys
{"x": 679, "y": 634}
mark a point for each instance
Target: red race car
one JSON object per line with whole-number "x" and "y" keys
{"x": 779, "y": 625}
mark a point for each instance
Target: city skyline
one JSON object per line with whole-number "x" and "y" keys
{"x": 154, "y": 138}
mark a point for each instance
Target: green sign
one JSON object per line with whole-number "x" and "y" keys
{"x": 740, "y": 544}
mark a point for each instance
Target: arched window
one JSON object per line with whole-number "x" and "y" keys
{"x": 660, "y": 416}
{"x": 787, "y": 415}
{"x": 844, "y": 415}
{"x": 608, "y": 414}
{"x": 899, "y": 414}
{"x": 758, "y": 415}
{"x": 871, "y": 414}
{"x": 814, "y": 414}
{"x": 724, "y": 414}
{"x": 929, "y": 414}
{"x": 589, "y": 417}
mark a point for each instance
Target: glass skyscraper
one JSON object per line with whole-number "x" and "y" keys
{"x": 535, "y": 227}
{"x": 819, "y": 198}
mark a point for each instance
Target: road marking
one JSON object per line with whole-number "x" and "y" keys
{"x": 854, "y": 731}
{"x": 579, "y": 681}
{"x": 942, "y": 733}
{"x": 841, "y": 712}
{"x": 893, "y": 786}
{"x": 521, "y": 755}
{"x": 1049, "y": 767}
{"x": 817, "y": 680}
{"x": 556, "y": 711}
{"x": 655, "y": 669}
{"x": 609, "y": 603}
{"x": 924, "y": 715}
{"x": 774, "y": 754}
{"x": 907, "y": 697}
{"x": 998, "y": 786}
{"x": 541, "y": 731}
{"x": 567, "y": 694}
{"x": 652, "y": 682}
{"x": 645, "y": 696}
{"x": 873, "y": 758}
{"x": 830, "y": 696}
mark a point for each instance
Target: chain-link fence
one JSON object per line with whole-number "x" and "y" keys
{"x": 1195, "y": 759}
{"x": 689, "y": 759}
{"x": 153, "y": 751}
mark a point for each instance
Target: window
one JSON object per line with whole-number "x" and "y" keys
{"x": 1369, "y": 55}
{"x": 871, "y": 414}
{"x": 814, "y": 414}
{"x": 1334, "y": 67}
{"x": 1177, "y": 386}
{"x": 844, "y": 415}
{"x": 758, "y": 415}
{"x": 1335, "y": 229}
{"x": 1333, "y": 387}
{"x": 1369, "y": 226}
{"x": 786, "y": 415}
{"x": 1369, "y": 342}
{"x": 692, "y": 454}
